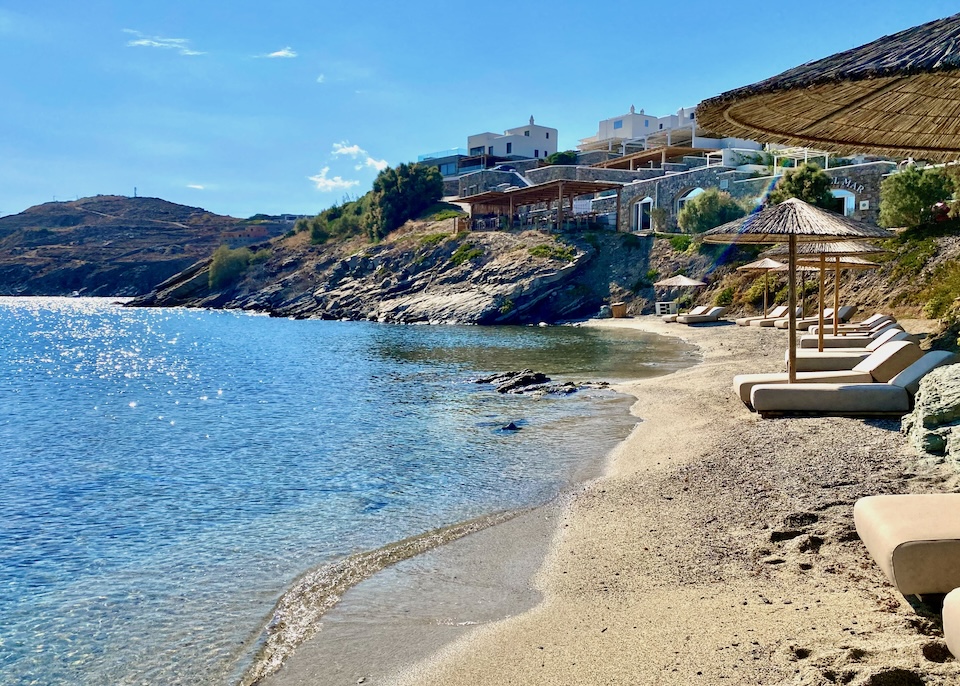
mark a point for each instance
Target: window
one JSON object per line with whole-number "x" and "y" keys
{"x": 490, "y": 150}
{"x": 691, "y": 115}
{"x": 646, "y": 123}
{"x": 618, "y": 124}
{"x": 448, "y": 169}
{"x": 661, "y": 127}
{"x": 526, "y": 133}
{"x": 536, "y": 153}
{"x": 476, "y": 151}
{"x": 689, "y": 195}
{"x": 509, "y": 148}
{"x": 548, "y": 135}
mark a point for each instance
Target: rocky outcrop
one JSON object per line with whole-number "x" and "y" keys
{"x": 934, "y": 424}
{"x": 426, "y": 273}
{"x": 536, "y": 383}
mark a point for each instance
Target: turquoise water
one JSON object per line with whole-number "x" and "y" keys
{"x": 168, "y": 473}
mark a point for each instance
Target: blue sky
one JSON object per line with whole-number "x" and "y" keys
{"x": 284, "y": 106}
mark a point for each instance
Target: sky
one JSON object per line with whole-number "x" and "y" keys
{"x": 289, "y": 106}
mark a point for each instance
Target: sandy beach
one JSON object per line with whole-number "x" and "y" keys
{"x": 719, "y": 548}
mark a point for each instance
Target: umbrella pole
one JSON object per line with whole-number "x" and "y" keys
{"x": 792, "y": 319}
{"x": 823, "y": 277}
{"x": 836, "y": 295}
{"x": 765, "y": 273}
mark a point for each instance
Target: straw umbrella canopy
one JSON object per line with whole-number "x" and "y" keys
{"x": 679, "y": 281}
{"x": 766, "y": 265}
{"x": 896, "y": 96}
{"x": 793, "y": 221}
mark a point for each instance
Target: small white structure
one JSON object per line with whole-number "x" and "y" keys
{"x": 523, "y": 142}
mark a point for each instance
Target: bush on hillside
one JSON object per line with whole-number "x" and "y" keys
{"x": 400, "y": 194}
{"x": 711, "y": 208}
{"x": 227, "y": 266}
{"x": 908, "y": 198}
{"x": 809, "y": 183}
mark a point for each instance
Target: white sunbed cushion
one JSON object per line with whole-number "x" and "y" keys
{"x": 910, "y": 377}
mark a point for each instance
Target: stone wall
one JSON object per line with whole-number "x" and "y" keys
{"x": 862, "y": 180}
{"x": 486, "y": 180}
{"x": 580, "y": 173}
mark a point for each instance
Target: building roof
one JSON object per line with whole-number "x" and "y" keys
{"x": 544, "y": 192}
{"x": 653, "y": 155}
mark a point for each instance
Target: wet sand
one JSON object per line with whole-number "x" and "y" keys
{"x": 718, "y": 549}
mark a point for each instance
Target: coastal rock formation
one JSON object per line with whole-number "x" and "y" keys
{"x": 934, "y": 424}
{"x": 428, "y": 273}
{"x": 537, "y": 383}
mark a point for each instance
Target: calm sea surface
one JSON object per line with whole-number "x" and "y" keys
{"x": 166, "y": 474}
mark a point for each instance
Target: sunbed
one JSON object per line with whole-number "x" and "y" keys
{"x": 711, "y": 315}
{"x": 811, "y": 360}
{"x": 893, "y": 398}
{"x": 770, "y": 321}
{"x": 879, "y": 367}
{"x": 699, "y": 309}
{"x": 951, "y": 621}
{"x": 915, "y": 540}
{"x": 870, "y": 322}
{"x": 853, "y": 340}
{"x": 775, "y": 313}
{"x": 846, "y": 312}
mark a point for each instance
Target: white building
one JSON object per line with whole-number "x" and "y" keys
{"x": 636, "y": 131}
{"x": 523, "y": 142}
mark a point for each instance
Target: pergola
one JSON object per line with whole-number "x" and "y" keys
{"x": 558, "y": 190}
{"x": 638, "y": 160}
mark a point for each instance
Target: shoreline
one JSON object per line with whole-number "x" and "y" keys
{"x": 445, "y": 592}
{"x": 717, "y": 548}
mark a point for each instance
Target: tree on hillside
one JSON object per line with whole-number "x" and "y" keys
{"x": 565, "y": 157}
{"x": 809, "y": 183}
{"x": 707, "y": 210}
{"x": 400, "y": 194}
{"x": 907, "y": 197}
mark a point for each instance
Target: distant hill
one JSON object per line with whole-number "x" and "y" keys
{"x": 113, "y": 245}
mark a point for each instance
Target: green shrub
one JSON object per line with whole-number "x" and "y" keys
{"x": 809, "y": 183}
{"x": 680, "y": 243}
{"x": 260, "y": 256}
{"x": 725, "y": 297}
{"x": 907, "y": 197}
{"x": 227, "y": 266}
{"x": 554, "y": 252}
{"x": 465, "y": 252}
{"x": 709, "y": 209}
{"x": 567, "y": 157}
{"x": 507, "y": 306}
{"x": 440, "y": 211}
{"x": 432, "y": 239}
{"x": 630, "y": 240}
{"x": 942, "y": 290}
{"x": 911, "y": 255}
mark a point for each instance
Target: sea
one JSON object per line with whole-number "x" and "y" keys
{"x": 167, "y": 475}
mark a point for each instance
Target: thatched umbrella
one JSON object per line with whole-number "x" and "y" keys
{"x": 839, "y": 255}
{"x": 766, "y": 265}
{"x": 897, "y": 96}
{"x": 793, "y": 221}
{"x": 679, "y": 281}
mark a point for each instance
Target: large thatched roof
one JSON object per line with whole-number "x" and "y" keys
{"x": 776, "y": 223}
{"x": 897, "y": 96}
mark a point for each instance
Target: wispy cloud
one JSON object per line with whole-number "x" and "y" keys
{"x": 195, "y": 186}
{"x": 181, "y": 45}
{"x": 335, "y": 183}
{"x": 287, "y": 52}
{"x": 321, "y": 78}
{"x": 358, "y": 153}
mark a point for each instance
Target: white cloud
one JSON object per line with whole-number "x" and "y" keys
{"x": 181, "y": 45}
{"x": 336, "y": 183}
{"x": 321, "y": 78}
{"x": 356, "y": 152}
{"x": 283, "y": 52}
{"x": 195, "y": 186}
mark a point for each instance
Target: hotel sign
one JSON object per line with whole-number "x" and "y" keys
{"x": 848, "y": 183}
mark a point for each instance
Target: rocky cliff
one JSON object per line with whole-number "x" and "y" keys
{"x": 111, "y": 245}
{"x": 426, "y": 272}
